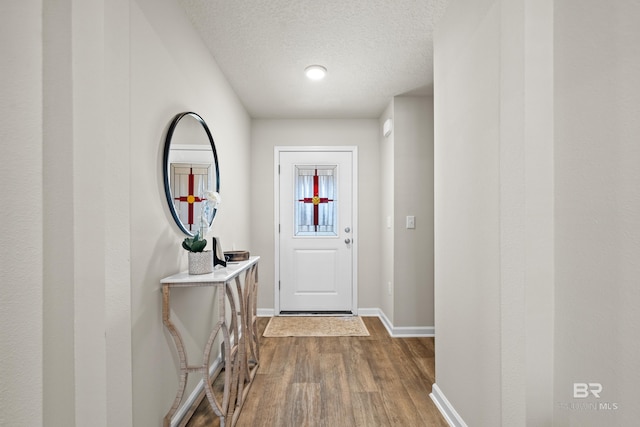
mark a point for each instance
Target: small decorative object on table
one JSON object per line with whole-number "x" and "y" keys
{"x": 200, "y": 261}
{"x": 236, "y": 256}
{"x": 218, "y": 255}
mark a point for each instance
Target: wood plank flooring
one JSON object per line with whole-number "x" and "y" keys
{"x": 339, "y": 382}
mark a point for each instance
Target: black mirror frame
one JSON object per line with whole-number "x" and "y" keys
{"x": 165, "y": 165}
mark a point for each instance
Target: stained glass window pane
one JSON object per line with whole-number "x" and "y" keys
{"x": 315, "y": 206}
{"x": 188, "y": 183}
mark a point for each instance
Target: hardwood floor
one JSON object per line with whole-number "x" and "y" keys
{"x": 339, "y": 382}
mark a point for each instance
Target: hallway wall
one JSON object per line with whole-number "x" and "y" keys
{"x": 172, "y": 71}
{"x": 413, "y": 195}
{"x": 72, "y": 144}
{"x": 467, "y": 221}
{"x": 597, "y": 214}
{"x": 494, "y": 211}
{"x": 406, "y": 174}
{"x": 387, "y": 211}
{"x": 21, "y": 265}
{"x": 90, "y": 88}
{"x": 537, "y": 211}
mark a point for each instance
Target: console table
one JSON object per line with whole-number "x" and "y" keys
{"x": 239, "y": 348}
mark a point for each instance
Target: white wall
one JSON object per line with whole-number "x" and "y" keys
{"x": 406, "y": 173}
{"x": 387, "y": 210}
{"x": 597, "y": 154}
{"x": 467, "y": 246}
{"x": 519, "y": 95}
{"x": 76, "y": 331}
{"x": 363, "y": 133}
{"x": 494, "y": 211}
{"x": 59, "y": 334}
{"x": 21, "y": 256}
{"x": 413, "y": 195}
{"x": 90, "y": 88}
{"x": 171, "y": 72}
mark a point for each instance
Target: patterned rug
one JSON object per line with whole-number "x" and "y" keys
{"x": 295, "y": 326}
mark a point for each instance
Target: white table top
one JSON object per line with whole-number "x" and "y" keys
{"x": 219, "y": 275}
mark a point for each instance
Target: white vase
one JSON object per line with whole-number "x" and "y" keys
{"x": 200, "y": 262}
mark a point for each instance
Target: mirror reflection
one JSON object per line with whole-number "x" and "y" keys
{"x": 190, "y": 169}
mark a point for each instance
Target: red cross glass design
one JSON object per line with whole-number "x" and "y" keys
{"x": 316, "y": 200}
{"x": 190, "y": 198}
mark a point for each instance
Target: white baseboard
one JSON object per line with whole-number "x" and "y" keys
{"x": 265, "y": 312}
{"x": 369, "y": 312}
{"x": 446, "y": 408}
{"x": 413, "y": 331}
{"x": 398, "y": 331}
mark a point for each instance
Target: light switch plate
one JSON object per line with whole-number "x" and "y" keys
{"x": 411, "y": 221}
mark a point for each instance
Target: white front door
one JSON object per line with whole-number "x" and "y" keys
{"x": 316, "y": 231}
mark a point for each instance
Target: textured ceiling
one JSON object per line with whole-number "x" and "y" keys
{"x": 373, "y": 50}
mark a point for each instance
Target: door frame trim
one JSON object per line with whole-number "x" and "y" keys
{"x": 354, "y": 212}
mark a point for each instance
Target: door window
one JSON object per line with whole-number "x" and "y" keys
{"x": 315, "y": 195}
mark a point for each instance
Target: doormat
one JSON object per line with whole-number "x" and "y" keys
{"x": 286, "y": 326}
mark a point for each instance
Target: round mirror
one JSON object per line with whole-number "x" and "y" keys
{"x": 190, "y": 171}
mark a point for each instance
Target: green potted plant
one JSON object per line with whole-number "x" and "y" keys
{"x": 200, "y": 261}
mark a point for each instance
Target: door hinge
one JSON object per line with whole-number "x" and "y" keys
{"x": 278, "y": 284}
{"x": 278, "y": 169}
{"x": 278, "y": 228}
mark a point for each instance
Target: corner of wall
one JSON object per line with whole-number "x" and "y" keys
{"x": 386, "y": 281}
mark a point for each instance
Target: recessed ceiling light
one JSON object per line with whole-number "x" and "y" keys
{"x": 315, "y": 72}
